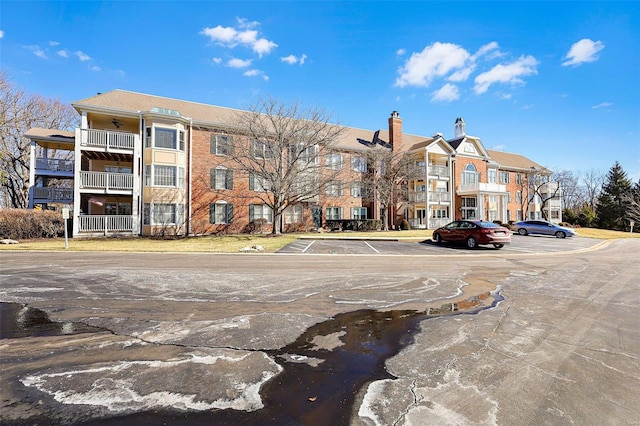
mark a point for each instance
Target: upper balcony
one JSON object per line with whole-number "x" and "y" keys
{"x": 469, "y": 188}
{"x": 435, "y": 197}
{"x": 106, "y": 183}
{"x": 107, "y": 140}
{"x": 51, "y": 195}
{"x": 54, "y": 167}
{"x": 439, "y": 172}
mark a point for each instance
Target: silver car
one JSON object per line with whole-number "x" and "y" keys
{"x": 542, "y": 227}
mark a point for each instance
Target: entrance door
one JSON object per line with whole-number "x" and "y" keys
{"x": 316, "y": 211}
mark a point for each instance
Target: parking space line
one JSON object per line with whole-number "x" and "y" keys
{"x": 308, "y": 246}
{"x": 371, "y": 247}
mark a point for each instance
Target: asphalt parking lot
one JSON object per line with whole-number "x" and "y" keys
{"x": 356, "y": 246}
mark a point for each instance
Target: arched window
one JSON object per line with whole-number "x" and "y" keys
{"x": 470, "y": 177}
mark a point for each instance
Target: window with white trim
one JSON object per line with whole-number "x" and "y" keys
{"x": 334, "y": 213}
{"x": 469, "y": 208}
{"x": 504, "y": 177}
{"x": 164, "y": 137}
{"x": 357, "y": 189}
{"x": 293, "y": 214}
{"x": 334, "y": 189}
{"x": 358, "y": 213}
{"x": 221, "y": 144}
{"x": 117, "y": 209}
{"x": 220, "y": 212}
{"x": 163, "y": 214}
{"x": 334, "y": 161}
{"x": 258, "y": 183}
{"x": 359, "y": 164}
{"x": 167, "y": 176}
{"x": 221, "y": 178}
{"x": 492, "y": 176}
{"x": 260, "y": 211}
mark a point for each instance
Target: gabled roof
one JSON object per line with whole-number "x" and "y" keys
{"x": 507, "y": 160}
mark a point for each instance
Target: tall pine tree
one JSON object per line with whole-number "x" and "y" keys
{"x": 612, "y": 205}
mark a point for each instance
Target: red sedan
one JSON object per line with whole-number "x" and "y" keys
{"x": 473, "y": 233}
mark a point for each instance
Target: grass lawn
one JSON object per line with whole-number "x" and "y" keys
{"x": 234, "y": 243}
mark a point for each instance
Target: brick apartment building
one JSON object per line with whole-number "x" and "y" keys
{"x": 145, "y": 164}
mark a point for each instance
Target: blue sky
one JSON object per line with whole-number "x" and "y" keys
{"x": 558, "y": 82}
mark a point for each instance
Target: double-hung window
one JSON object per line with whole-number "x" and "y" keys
{"x": 293, "y": 214}
{"x": 359, "y": 164}
{"x": 334, "y": 189}
{"x": 334, "y": 161}
{"x": 164, "y": 137}
{"x": 334, "y": 213}
{"x": 163, "y": 214}
{"x": 220, "y": 212}
{"x": 221, "y": 178}
{"x": 504, "y": 177}
{"x": 356, "y": 189}
{"x": 167, "y": 176}
{"x": 221, "y": 144}
{"x": 260, "y": 211}
{"x": 358, "y": 213}
{"x": 258, "y": 183}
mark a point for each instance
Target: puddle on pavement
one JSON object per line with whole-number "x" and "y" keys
{"x": 18, "y": 320}
{"x": 323, "y": 370}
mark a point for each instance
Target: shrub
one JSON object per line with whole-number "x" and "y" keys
{"x": 18, "y": 224}
{"x": 404, "y": 225}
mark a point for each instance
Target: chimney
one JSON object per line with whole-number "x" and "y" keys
{"x": 395, "y": 131}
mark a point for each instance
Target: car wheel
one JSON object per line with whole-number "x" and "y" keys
{"x": 472, "y": 243}
{"x": 437, "y": 238}
{"x": 498, "y": 246}
{"x": 522, "y": 231}
{"x": 560, "y": 234}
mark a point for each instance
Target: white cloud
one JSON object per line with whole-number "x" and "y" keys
{"x": 401, "y": 52}
{"x": 489, "y": 49}
{"x": 292, "y": 59}
{"x": 499, "y": 147}
{"x": 36, "y": 50}
{"x": 506, "y": 73}
{"x": 82, "y": 56}
{"x": 256, "y": 73}
{"x": 95, "y": 68}
{"x": 447, "y": 93}
{"x": 217, "y": 60}
{"x": 436, "y": 60}
{"x": 239, "y": 63}
{"x": 244, "y": 34}
{"x": 1, "y": 34}
{"x": 62, "y": 53}
{"x": 585, "y": 50}
{"x": 53, "y": 43}
{"x": 602, "y": 105}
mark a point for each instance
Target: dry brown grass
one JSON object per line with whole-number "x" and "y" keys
{"x": 234, "y": 243}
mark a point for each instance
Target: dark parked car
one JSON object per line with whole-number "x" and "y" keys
{"x": 473, "y": 233}
{"x": 542, "y": 227}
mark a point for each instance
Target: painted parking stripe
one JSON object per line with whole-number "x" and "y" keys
{"x": 308, "y": 246}
{"x": 371, "y": 247}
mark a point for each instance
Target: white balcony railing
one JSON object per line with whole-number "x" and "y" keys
{"x": 434, "y": 197}
{"x": 440, "y": 171}
{"x": 105, "y": 223}
{"x": 481, "y": 187}
{"x": 54, "y": 164}
{"x": 106, "y": 181}
{"x": 107, "y": 139}
{"x": 55, "y": 194}
{"x": 421, "y": 223}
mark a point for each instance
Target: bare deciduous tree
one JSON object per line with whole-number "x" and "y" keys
{"x": 545, "y": 184}
{"x": 20, "y": 112}
{"x": 387, "y": 176}
{"x": 282, "y": 152}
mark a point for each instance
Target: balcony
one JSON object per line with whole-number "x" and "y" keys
{"x": 105, "y": 224}
{"x": 434, "y": 197}
{"x": 481, "y": 187}
{"x": 107, "y": 140}
{"x": 54, "y": 167}
{"x": 441, "y": 172}
{"x": 53, "y": 195}
{"x": 421, "y": 223}
{"x": 107, "y": 182}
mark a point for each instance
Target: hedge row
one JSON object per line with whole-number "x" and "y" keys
{"x": 18, "y": 224}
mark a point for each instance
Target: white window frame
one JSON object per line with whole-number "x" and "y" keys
{"x": 357, "y": 189}
{"x": 334, "y": 161}
{"x": 333, "y": 213}
{"x": 221, "y": 212}
{"x": 260, "y": 211}
{"x": 359, "y": 164}
{"x": 293, "y": 214}
{"x": 221, "y": 144}
{"x": 359, "y": 213}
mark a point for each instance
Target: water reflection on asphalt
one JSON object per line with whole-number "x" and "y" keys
{"x": 323, "y": 370}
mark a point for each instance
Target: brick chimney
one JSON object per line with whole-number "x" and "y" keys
{"x": 395, "y": 131}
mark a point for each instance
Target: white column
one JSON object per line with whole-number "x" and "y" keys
{"x": 77, "y": 157}
{"x": 32, "y": 172}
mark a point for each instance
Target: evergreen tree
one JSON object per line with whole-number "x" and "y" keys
{"x": 611, "y": 208}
